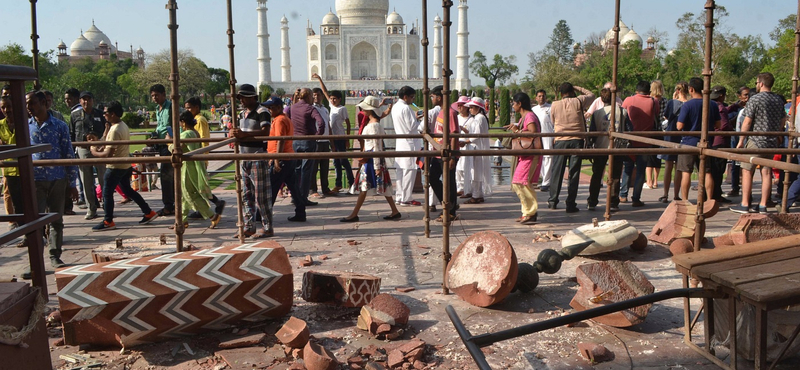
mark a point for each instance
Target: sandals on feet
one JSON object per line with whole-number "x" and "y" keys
{"x": 474, "y": 201}
{"x": 261, "y": 235}
{"x": 215, "y": 220}
{"x": 395, "y": 216}
{"x": 247, "y": 234}
{"x": 663, "y": 200}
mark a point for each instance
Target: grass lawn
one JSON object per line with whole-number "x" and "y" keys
{"x": 218, "y": 178}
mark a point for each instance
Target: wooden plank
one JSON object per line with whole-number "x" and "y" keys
{"x": 705, "y": 271}
{"x": 685, "y": 262}
{"x": 733, "y": 278}
{"x": 782, "y": 288}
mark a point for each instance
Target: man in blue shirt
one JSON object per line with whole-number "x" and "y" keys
{"x": 691, "y": 119}
{"x": 51, "y": 182}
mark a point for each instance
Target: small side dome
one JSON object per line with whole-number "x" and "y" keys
{"x": 394, "y": 18}
{"x": 81, "y": 44}
{"x": 103, "y": 43}
{"x": 140, "y": 50}
{"x": 62, "y": 45}
{"x": 330, "y": 19}
{"x": 631, "y": 36}
{"x": 651, "y": 40}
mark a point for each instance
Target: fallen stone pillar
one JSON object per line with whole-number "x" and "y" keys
{"x": 756, "y": 227}
{"x": 678, "y": 221}
{"x": 128, "y": 302}
{"x": 340, "y": 288}
{"x": 606, "y": 236}
{"x": 483, "y": 269}
{"x": 608, "y": 282}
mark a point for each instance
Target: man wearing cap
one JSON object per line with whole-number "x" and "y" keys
{"x": 164, "y": 127}
{"x": 406, "y": 123}
{"x": 719, "y": 165}
{"x": 254, "y": 121}
{"x": 88, "y": 123}
{"x": 306, "y": 120}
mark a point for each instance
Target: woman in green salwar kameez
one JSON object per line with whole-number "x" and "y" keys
{"x": 194, "y": 178}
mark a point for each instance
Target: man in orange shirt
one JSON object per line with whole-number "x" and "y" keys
{"x": 281, "y": 171}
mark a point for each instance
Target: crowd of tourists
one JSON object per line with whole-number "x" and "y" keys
{"x": 577, "y": 110}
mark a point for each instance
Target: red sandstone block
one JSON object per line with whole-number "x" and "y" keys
{"x": 127, "y": 302}
{"x": 317, "y": 357}
{"x": 294, "y": 333}
{"x": 595, "y": 353}
{"x": 608, "y": 282}
{"x": 483, "y": 270}
{"x": 396, "y": 359}
{"x": 386, "y": 309}
{"x": 340, "y": 288}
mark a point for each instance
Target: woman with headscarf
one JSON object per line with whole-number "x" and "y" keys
{"x": 481, "y": 165}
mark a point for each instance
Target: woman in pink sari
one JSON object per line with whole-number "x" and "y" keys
{"x": 526, "y": 168}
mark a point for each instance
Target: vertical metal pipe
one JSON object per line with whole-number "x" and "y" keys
{"x": 792, "y": 128}
{"x": 425, "y": 106}
{"x": 177, "y": 161}
{"x": 613, "y": 116}
{"x": 37, "y": 84}
{"x": 700, "y": 226}
{"x": 235, "y": 122}
{"x": 446, "y": 73}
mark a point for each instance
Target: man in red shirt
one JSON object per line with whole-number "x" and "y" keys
{"x": 281, "y": 171}
{"x": 436, "y": 171}
{"x": 643, "y": 112}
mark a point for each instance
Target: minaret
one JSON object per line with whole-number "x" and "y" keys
{"x": 462, "y": 54}
{"x": 286, "y": 64}
{"x": 264, "y": 73}
{"x": 437, "y": 47}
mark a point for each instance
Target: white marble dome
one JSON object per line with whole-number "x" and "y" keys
{"x": 62, "y": 45}
{"x": 394, "y": 18}
{"x": 330, "y": 19}
{"x": 362, "y": 12}
{"x": 623, "y": 31}
{"x": 631, "y": 36}
{"x": 96, "y": 36}
{"x": 81, "y": 47}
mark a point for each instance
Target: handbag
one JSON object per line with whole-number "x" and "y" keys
{"x": 506, "y": 142}
{"x": 527, "y": 142}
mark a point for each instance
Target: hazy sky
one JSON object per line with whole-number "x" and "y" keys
{"x": 506, "y": 27}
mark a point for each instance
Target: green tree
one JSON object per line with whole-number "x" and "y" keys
{"x": 561, "y": 42}
{"x": 218, "y": 83}
{"x": 265, "y": 91}
{"x": 549, "y": 73}
{"x": 500, "y": 70}
{"x": 505, "y": 107}
{"x": 193, "y": 72}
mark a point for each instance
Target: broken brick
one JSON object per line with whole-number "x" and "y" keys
{"x": 608, "y": 282}
{"x": 383, "y": 329}
{"x": 317, "y": 357}
{"x": 680, "y": 246}
{"x": 373, "y": 366}
{"x": 405, "y": 289}
{"x": 483, "y": 270}
{"x": 247, "y": 341}
{"x": 595, "y": 353}
{"x": 340, "y": 288}
{"x": 396, "y": 359}
{"x": 307, "y": 261}
{"x": 294, "y": 333}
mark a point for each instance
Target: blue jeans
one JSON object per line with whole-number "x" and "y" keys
{"x": 121, "y": 177}
{"x": 627, "y": 172}
{"x": 342, "y": 163}
{"x": 304, "y": 169}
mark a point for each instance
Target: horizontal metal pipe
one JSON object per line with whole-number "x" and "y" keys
{"x": 209, "y": 148}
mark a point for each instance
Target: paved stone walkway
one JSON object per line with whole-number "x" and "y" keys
{"x": 399, "y": 253}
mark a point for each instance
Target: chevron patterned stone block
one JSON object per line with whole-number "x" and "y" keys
{"x": 149, "y": 299}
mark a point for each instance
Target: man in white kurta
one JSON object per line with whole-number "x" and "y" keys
{"x": 405, "y": 123}
{"x": 542, "y": 112}
{"x": 464, "y": 166}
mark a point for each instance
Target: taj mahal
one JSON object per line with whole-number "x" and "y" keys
{"x": 363, "y": 46}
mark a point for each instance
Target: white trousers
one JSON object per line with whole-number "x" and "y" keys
{"x": 405, "y": 184}
{"x": 547, "y": 172}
